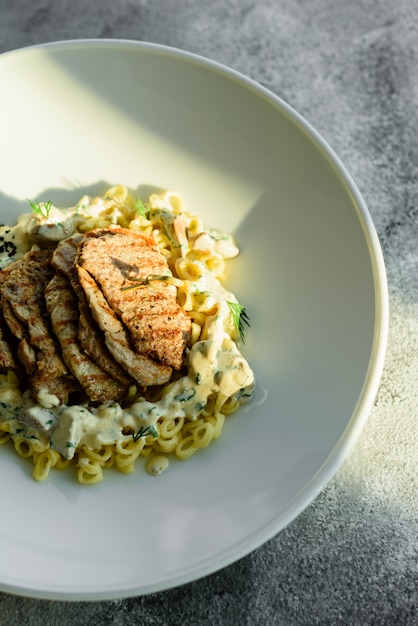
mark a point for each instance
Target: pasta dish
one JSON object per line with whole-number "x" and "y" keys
{"x": 118, "y": 339}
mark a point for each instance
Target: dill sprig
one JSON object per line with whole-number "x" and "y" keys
{"x": 144, "y": 431}
{"x": 41, "y": 208}
{"x": 239, "y": 317}
{"x": 172, "y": 280}
{"x": 142, "y": 209}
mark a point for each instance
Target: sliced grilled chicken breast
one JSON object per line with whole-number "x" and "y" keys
{"x": 62, "y": 306}
{"x": 23, "y": 289}
{"x": 89, "y": 335}
{"x": 116, "y": 258}
{"x": 144, "y": 370}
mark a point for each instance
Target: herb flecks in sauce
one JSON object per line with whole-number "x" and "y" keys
{"x": 144, "y": 431}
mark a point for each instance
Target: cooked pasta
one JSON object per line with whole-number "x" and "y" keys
{"x": 178, "y": 418}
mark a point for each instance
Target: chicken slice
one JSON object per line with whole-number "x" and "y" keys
{"x": 145, "y": 371}
{"x": 24, "y": 351}
{"x": 9, "y": 359}
{"x": 117, "y": 258}
{"x": 90, "y": 338}
{"x": 23, "y": 289}
{"x": 62, "y": 306}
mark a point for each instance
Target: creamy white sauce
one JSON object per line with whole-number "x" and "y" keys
{"x": 216, "y": 242}
{"x": 13, "y": 243}
{"x": 51, "y": 229}
{"x": 214, "y": 365}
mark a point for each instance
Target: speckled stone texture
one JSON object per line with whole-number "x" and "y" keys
{"x": 351, "y": 68}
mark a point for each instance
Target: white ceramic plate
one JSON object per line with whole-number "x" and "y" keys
{"x": 80, "y": 116}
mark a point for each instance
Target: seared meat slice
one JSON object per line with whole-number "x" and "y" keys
{"x": 16, "y": 327}
{"x": 8, "y": 345}
{"x": 25, "y": 353}
{"x": 62, "y": 306}
{"x": 89, "y": 336}
{"x": 63, "y": 258}
{"x": 23, "y": 289}
{"x": 7, "y": 358}
{"x": 116, "y": 258}
{"x": 145, "y": 371}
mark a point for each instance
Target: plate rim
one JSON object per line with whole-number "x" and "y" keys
{"x": 374, "y": 372}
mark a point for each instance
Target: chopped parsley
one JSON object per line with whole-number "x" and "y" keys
{"x": 186, "y": 395}
{"x": 199, "y": 406}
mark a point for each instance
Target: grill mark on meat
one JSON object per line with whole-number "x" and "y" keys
{"x": 24, "y": 351}
{"x": 23, "y": 289}
{"x": 61, "y": 303}
{"x": 158, "y": 327}
{"x": 8, "y": 355}
{"x": 16, "y": 327}
{"x": 89, "y": 335}
{"x": 9, "y": 359}
{"x": 145, "y": 371}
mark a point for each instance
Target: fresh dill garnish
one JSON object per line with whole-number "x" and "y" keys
{"x": 41, "y": 208}
{"x": 172, "y": 280}
{"x": 141, "y": 208}
{"x": 239, "y": 317}
{"x": 144, "y": 431}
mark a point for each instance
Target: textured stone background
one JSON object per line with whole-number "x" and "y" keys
{"x": 351, "y": 68}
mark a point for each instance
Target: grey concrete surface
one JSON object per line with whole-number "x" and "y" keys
{"x": 351, "y": 69}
